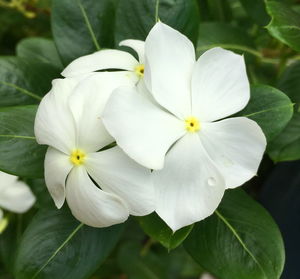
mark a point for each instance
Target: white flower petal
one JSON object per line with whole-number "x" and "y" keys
{"x": 54, "y": 124}
{"x": 236, "y": 145}
{"x": 116, "y": 173}
{"x": 142, "y": 129}
{"x": 101, "y": 60}
{"x": 90, "y": 205}
{"x": 189, "y": 188}
{"x": 57, "y": 168}
{"x": 170, "y": 58}
{"x": 138, "y": 46}
{"x": 220, "y": 86}
{"x": 87, "y": 103}
{"x": 15, "y": 195}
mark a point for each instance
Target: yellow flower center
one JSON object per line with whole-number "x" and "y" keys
{"x": 192, "y": 124}
{"x": 139, "y": 70}
{"x": 77, "y": 157}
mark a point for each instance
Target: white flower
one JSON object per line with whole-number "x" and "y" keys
{"x": 195, "y": 157}
{"x": 68, "y": 120}
{"x": 110, "y": 59}
{"x": 15, "y": 196}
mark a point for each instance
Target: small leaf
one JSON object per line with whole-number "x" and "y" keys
{"x": 82, "y": 27}
{"x": 234, "y": 243}
{"x": 156, "y": 228}
{"x": 20, "y": 153}
{"x": 55, "y": 245}
{"x": 39, "y": 50}
{"x": 270, "y": 108}
{"x": 285, "y": 23}
{"x": 134, "y": 19}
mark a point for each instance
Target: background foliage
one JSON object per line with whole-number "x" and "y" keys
{"x": 240, "y": 240}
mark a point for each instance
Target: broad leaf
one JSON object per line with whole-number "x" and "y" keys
{"x": 134, "y": 19}
{"x": 285, "y": 23}
{"x": 20, "y": 154}
{"x": 55, "y": 245}
{"x": 82, "y": 27}
{"x": 24, "y": 81}
{"x": 256, "y": 10}
{"x": 156, "y": 228}
{"x": 270, "y": 108}
{"x": 239, "y": 241}
{"x": 39, "y": 50}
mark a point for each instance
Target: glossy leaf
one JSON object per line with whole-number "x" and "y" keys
{"x": 55, "y": 245}
{"x": 239, "y": 241}
{"x": 23, "y": 81}
{"x": 39, "y": 50}
{"x": 270, "y": 108}
{"x": 20, "y": 154}
{"x": 256, "y": 10}
{"x": 82, "y": 27}
{"x": 157, "y": 229}
{"x": 285, "y": 23}
{"x": 134, "y": 19}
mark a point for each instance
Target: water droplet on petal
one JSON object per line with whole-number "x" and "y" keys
{"x": 211, "y": 181}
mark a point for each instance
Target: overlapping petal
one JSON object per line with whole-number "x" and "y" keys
{"x": 138, "y": 46}
{"x": 236, "y": 145}
{"x": 142, "y": 129}
{"x": 87, "y": 103}
{"x": 91, "y": 205}
{"x": 15, "y": 195}
{"x": 57, "y": 168}
{"x": 189, "y": 188}
{"x": 170, "y": 58}
{"x": 220, "y": 86}
{"x": 116, "y": 173}
{"x": 100, "y": 60}
{"x": 54, "y": 123}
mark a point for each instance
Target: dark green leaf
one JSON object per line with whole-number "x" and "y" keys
{"x": 20, "y": 154}
{"x": 256, "y": 10}
{"x": 39, "y": 188}
{"x": 134, "y": 19}
{"x": 55, "y": 245}
{"x": 239, "y": 241}
{"x": 39, "y": 50}
{"x": 156, "y": 228}
{"x": 82, "y": 27}
{"x": 23, "y": 81}
{"x": 285, "y": 23}
{"x": 270, "y": 108}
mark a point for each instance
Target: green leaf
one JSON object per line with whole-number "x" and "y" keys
{"x": 285, "y": 23}
{"x": 256, "y": 10}
{"x": 225, "y": 35}
{"x": 24, "y": 81}
{"x": 39, "y": 189}
{"x": 134, "y": 19}
{"x": 20, "y": 154}
{"x": 82, "y": 27}
{"x": 156, "y": 228}
{"x": 39, "y": 50}
{"x": 286, "y": 146}
{"x": 55, "y": 245}
{"x": 239, "y": 241}
{"x": 270, "y": 108}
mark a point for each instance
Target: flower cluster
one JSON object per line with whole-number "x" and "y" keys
{"x": 176, "y": 151}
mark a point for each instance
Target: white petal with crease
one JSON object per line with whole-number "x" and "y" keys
{"x": 57, "y": 168}
{"x": 189, "y": 188}
{"x": 116, "y": 173}
{"x": 170, "y": 58}
{"x": 54, "y": 124}
{"x": 15, "y": 195}
{"x": 90, "y": 205}
{"x": 236, "y": 145}
{"x": 220, "y": 86}
{"x": 138, "y": 46}
{"x": 101, "y": 60}
{"x": 142, "y": 129}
